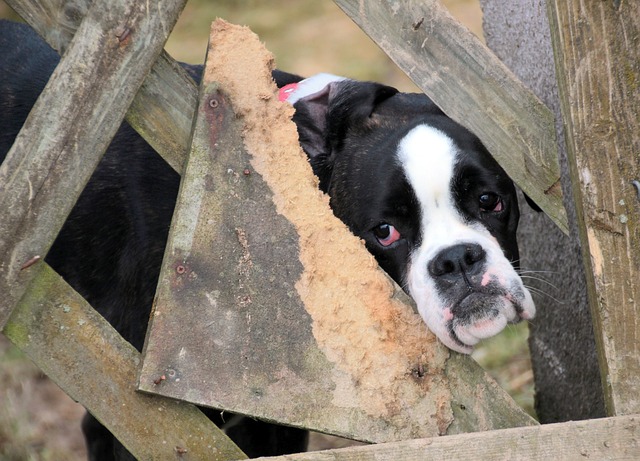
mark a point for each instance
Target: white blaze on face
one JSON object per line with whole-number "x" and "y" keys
{"x": 428, "y": 158}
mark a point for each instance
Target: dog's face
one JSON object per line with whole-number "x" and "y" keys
{"x": 434, "y": 208}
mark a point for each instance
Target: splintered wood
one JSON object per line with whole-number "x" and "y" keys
{"x": 268, "y": 306}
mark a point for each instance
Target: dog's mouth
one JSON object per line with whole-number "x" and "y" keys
{"x": 479, "y": 315}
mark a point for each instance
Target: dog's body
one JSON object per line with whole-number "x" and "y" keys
{"x": 431, "y": 204}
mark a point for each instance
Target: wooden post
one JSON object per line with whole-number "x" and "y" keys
{"x": 597, "y": 52}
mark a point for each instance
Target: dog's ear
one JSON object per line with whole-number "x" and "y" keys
{"x": 324, "y": 119}
{"x": 327, "y": 115}
{"x": 311, "y": 119}
{"x": 531, "y": 203}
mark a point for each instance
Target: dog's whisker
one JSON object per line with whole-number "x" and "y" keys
{"x": 523, "y": 271}
{"x": 531, "y": 323}
{"x": 537, "y": 275}
{"x": 536, "y": 290}
{"x": 405, "y": 287}
{"x": 539, "y": 279}
{"x": 544, "y": 293}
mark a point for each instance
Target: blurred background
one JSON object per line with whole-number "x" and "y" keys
{"x": 37, "y": 420}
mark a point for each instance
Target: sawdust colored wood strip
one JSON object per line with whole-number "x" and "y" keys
{"x": 610, "y": 438}
{"x": 162, "y": 111}
{"x": 597, "y": 52}
{"x": 473, "y": 87}
{"x": 70, "y": 127}
{"x": 90, "y": 361}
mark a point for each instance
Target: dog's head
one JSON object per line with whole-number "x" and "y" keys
{"x": 434, "y": 208}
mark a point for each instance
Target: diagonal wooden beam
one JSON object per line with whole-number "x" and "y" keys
{"x": 70, "y": 127}
{"x": 162, "y": 110}
{"x": 86, "y": 357}
{"x": 473, "y": 87}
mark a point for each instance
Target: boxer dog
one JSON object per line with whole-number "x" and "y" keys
{"x": 434, "y": 208}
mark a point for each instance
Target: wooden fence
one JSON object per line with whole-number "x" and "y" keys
{"x": 41, "y": 314}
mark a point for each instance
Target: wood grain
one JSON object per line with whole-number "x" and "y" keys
{"x": 70, "y": 127}
{"x": 163, "y": 108}
{"x": 597, "y": 48}
{"x": 86, "y": 357}
{"x": 609, "y": 438}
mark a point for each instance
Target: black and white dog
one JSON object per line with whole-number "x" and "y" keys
{"x": 434, "y": 208}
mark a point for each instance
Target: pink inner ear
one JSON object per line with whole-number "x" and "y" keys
{"x": 313, "y": 87}
{"x": 286, "y": 91}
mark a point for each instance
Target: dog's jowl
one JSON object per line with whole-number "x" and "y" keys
{"x": 433, "y": 207}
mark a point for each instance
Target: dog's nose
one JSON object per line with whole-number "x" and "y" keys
{"x": 457, "y": 260}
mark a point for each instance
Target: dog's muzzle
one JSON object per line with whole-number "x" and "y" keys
{"x": 469, "y": 292}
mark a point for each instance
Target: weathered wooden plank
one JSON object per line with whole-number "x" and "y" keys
{"x": 597, "y": 50}
{"x": 162, "y": 111}
{"x": 70, "y": 127}
{"x": 609, "y": 438}
{"x": 473, "y": 87}
{"x": 55, "y": 20}
{"x": 163, "y": 108}
{"x": 478, "y": 403}
{"x": 322, "y": 339}
{"x": 87, "y": 358}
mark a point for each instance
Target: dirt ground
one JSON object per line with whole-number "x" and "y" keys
{"x": 37, "y": 420}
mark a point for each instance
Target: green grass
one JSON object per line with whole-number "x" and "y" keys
{"x": 506, "y": 358}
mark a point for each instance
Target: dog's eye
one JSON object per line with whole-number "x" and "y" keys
{"x": 386, "y": 234}
{"x": 490, "y": 202}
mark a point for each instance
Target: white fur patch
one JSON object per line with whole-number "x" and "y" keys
{"x": 428, "y": 157}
